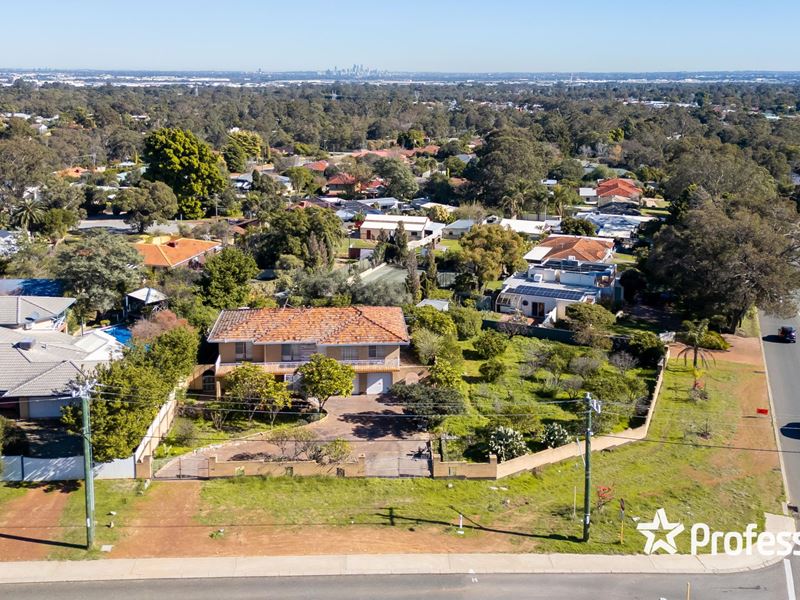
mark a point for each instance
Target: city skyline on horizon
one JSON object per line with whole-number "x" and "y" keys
{"x": 414, "y": 37}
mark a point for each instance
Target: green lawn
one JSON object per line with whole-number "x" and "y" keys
{"x": 719, "y": 486}
{"x": 451, "y": 245}
{"x": 623, "y": 258}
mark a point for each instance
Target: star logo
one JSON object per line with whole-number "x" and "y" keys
{"x": 660, "y": 523}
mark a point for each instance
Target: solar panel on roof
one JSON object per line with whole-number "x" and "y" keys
{"x": 544, "y": 292}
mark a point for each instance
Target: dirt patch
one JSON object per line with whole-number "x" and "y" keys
{"x": 163, "y": 524}
{"x": 743, "y": 350}
{"x": 29, "y": 525}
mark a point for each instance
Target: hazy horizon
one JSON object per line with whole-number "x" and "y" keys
{"x": 511, "y": 36}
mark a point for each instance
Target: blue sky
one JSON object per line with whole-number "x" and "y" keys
{"x": 432, "y": 35}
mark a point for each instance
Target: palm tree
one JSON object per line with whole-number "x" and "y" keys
{"x": 28, "y": 212}
{"x": 693, "y": 334}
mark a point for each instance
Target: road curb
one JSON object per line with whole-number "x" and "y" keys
{"x": 374, "y": 564}
{"x": 775, "y": 430}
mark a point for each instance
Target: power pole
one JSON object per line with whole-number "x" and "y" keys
{"x": 592, "y": 405}
{"x": 84, "y": 390}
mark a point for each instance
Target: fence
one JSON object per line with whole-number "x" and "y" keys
{"x": 543, "y": 333}
{"x": 23, "y": 468}
{"x": 302, "y": 468}
{"x": 495, "y": 470}
{"x": 66, "y": 468}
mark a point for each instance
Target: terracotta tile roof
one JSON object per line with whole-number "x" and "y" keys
{"x": 321, "y": 325}
{"x": 582, "y": 248}
{"x": 342, "y": 179}
{"x": 174, "y": 252}
{"x": 618, "y": 187}
{"x": 318, "y": 165}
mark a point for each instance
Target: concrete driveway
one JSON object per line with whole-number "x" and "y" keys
{"x": 374, "y": 428}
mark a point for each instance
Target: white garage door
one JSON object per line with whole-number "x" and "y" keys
{"x": 46, "y": 408}
{"x": 357, "y": 384}
{"x": 377, "y": 383}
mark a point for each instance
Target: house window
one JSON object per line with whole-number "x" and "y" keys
{"x": 288, "y": 352}
{"x": 244, "y": 351}
{"x": 373, "y": 352}
{"x": 349, "y": 353}
{"x": 538, "y": 309}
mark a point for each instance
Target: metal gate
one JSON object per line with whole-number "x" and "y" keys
{"x": 392, "y": 465}
{"x": 184, "y": 467}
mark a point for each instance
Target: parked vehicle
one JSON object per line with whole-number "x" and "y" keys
{"x": 788, "y": 334}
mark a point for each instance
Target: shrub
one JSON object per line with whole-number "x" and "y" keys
{"x": 590, "y": 324}
{"x": 490, "y": 344}
{"x": 428, "y": 402}
{"x": 184, "y": 432}
{"x": 444, "y": 374}
{"x": 506, "y": 443}
{"x": 714, "y": 341}
{"x": 554, "y": 435}
{"x": 427, "y": 317}
{"x": 426, "y": 344}
{"x": 468, "y": 321}
{"x": 647, "y": 347}
{"x": 492, "y": 370}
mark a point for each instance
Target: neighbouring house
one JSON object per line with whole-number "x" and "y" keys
{"x": 381, "y": 204}
{"x": 144, "y": 298}
{"x": 280, "y": 340}
{"x": 430, "y": 205}
{"x": 530, "y": 229}
{"x": 341, "y": 183}
{"x": 440, "y": 305}
{"x": 625, "y": 188}
{"x": 588, "y": 195}
{"x": 39, "y": 366}
{"x": 34, "y": 312}
{"x": 166, "y": 254}
{"x": 318, "y": 166}
{"x": 571, "y": 247}
{"x": 623, "y": 228}
{"x": 283, "y": 181}
{"x": 416, "y": 227}
{"x": 545, "y": 290}
{"x": 457, "y": 229}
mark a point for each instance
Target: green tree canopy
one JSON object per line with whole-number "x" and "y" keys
{"x": 491, "y": 250}
{"x": 575, "y": 226}
{"x": 507, "y": 159}
{"x": 98, "y": 270}
{"x": 226, "y": 278}
{"x": 400, "y": 181}
{"x": 187, "y": 165}
{"x": 323, "y": 377}
{"x": 153, "y": 202}
{"x": 252, "y": 388}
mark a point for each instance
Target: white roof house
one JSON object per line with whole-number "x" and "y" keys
{"x": 622, "y": 227}
{"x": 522, "y": 226}
{"x": 39, "y": 312}
{"x": 390, "y": 222}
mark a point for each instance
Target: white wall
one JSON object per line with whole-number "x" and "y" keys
{"x": 19, "y": 468}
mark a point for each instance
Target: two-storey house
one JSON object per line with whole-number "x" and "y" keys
{"x": 368, "y": 338}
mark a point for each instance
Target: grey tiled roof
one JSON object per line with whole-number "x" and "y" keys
{"x": 17, "y": 310}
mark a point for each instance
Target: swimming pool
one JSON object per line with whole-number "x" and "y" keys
{"x": 121, "y": 333}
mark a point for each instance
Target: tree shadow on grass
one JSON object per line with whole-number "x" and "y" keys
{"x": 392, "y": 518}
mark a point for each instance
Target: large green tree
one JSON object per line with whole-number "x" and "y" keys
{"x": 726, "y": 256}
{"x": 98, "y": 270}
{"x": 186, "y": 164}
{"x": 153, "y": 202}
{"x": 400, "y": 181}
{"x": 508, "y": 159}
{"x": 489, "y": 251}
{"x": 253, "y": 389}
{"x": 226, "y": 278}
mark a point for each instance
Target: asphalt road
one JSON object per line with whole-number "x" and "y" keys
{"x": 783, "y": 365}
{"x": 767, "y": 584}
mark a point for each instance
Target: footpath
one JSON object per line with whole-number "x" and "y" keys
{"x": 386, "y": 564}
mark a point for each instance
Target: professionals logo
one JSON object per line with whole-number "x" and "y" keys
{"x": 651, "y": 531}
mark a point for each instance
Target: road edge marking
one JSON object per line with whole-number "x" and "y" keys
{"x": 775, "y": 431}
{"x": 787, "y": 569}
